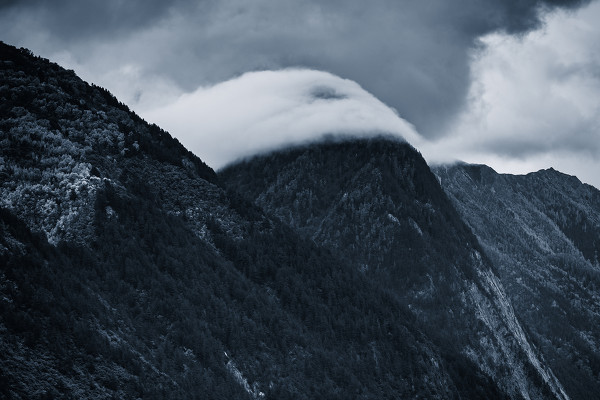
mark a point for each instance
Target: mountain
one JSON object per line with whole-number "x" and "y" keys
{"x": 542, "y": 232}
{"x": 129, "y": 270}
{"x": 376, "y": 204}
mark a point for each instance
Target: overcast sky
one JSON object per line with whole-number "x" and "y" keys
{"x": 512, "y": 83}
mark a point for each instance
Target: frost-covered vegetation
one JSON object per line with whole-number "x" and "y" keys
{"x": 59, "y": 138}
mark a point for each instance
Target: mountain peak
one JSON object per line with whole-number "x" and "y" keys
{"x": 378, "y": 206}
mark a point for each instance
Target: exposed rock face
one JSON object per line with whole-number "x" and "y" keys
{"x": 542, "y": 232}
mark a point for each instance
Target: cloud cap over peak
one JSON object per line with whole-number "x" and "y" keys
{"x": 266, "y": 110}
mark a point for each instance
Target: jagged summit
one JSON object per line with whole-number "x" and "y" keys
{"x": 554, "y": 176}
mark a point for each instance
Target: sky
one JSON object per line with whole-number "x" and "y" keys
{"x": 509, "y": 83}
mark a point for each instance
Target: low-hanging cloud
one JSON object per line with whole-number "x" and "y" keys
{"x": 413, "y": 55}
{"x": 261, "y": 111}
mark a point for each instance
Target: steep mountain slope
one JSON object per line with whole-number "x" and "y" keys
{"x": 127, "y": 270}
{"x": 376, "y": 204}
{"x": 542, "y": 231}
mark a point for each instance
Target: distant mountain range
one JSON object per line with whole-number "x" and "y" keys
{"x": 341, "y": 269}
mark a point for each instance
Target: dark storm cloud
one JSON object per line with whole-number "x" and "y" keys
{"x": 584, "y": 143}
{"x": 413, "y": 55}
{"x": 81, "y": 20}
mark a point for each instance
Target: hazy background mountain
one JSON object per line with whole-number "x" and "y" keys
{"x": 542, "y": 232}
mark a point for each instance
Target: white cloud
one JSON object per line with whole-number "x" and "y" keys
{"x": 534, "y": 101}
{"x": 261, "y": 111}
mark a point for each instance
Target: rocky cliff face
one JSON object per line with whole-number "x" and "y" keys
{"x": 542, "y": 232}
{"x": 377, "y": 204}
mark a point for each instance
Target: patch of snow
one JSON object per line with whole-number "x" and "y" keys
{"x": 189, "y": 353}
{"x": 393, "y": 219}
{"x": 239, "y": 378}
{"x": 414, "y": 224}
{"x": 110, "y": 212}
